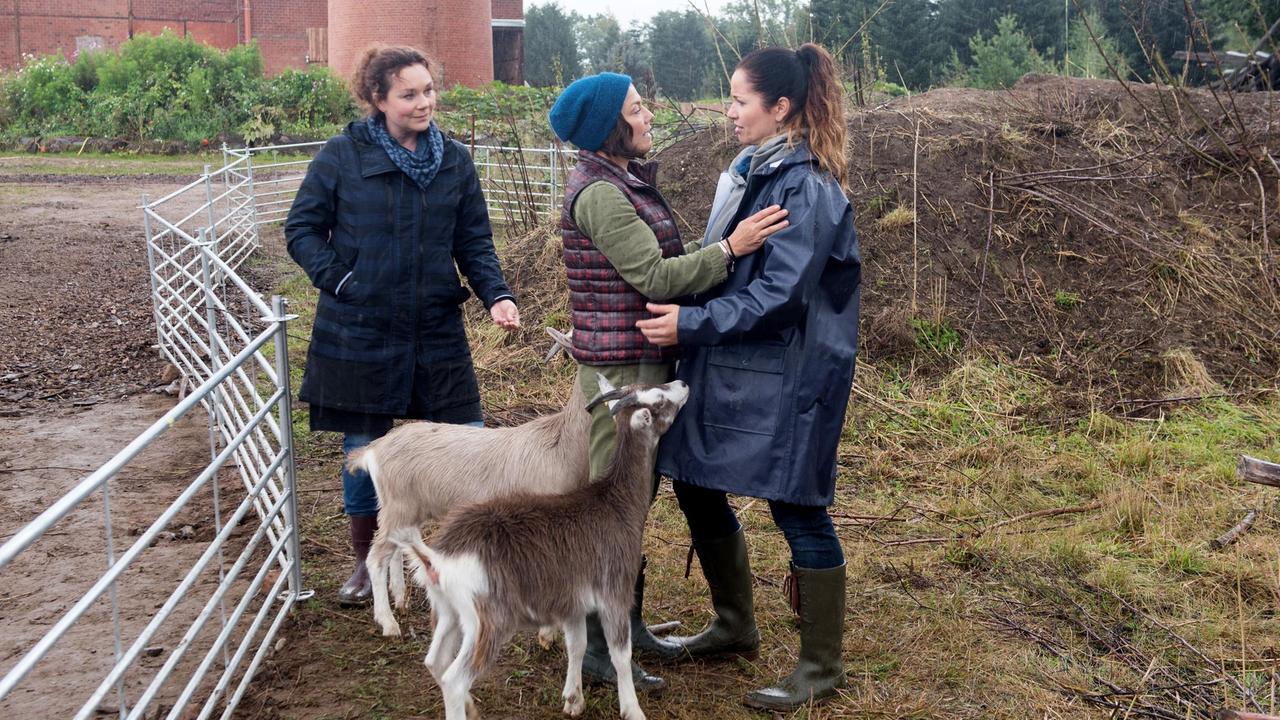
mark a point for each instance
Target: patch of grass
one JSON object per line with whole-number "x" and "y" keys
{"x": 118, "y": 164}
{"x": 946, "y": 488}
{"x": 938, "y": 337}
{"x": 1064, "y": 300}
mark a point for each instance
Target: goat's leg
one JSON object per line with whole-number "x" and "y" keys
{"x": 616, "y": 624}
{"x": 457, "y": 679}
{"x": 377, "y": 562}
{"x": 444, "y": 640}
{"x": 398, "y": 590}
{"x": 575, "y": 645}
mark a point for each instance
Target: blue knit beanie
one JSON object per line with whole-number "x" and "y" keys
{"x": 588, "y": 109}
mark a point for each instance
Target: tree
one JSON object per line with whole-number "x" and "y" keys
{"x": 1007, "y": 56}
{"x": 1145, "y": 30}
{"x": 1093, "y": 55}
{"x": 1242, "y": 22}
{"x": 901, "y": 41}
{"x": 1041, "y": 22}
{"x": 550, "y": 48}
{"x": 682, "y": 53}
{"x": 600, "y": 43}
{"x": 637, "y": 61}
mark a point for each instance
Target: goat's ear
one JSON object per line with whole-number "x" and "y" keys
{"x": 641, "y": 419}
{"x": 603, "y": 383}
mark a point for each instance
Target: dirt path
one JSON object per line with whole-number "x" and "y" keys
{"x": 77, "y": 360}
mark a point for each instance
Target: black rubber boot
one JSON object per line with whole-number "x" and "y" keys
{"x": 643, "y": 642}
{"x": 819, "y": 669}
{"x": 728, "y": 572}
{"x": 357, "y": 591}
{"x": 597, "y": 666}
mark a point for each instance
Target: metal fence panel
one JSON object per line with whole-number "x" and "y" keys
{"x": 231, "y": 348}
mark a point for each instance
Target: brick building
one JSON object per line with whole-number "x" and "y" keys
{"x": 471, "y": 41}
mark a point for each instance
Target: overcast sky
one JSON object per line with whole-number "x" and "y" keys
{"x": 628, "y": 10}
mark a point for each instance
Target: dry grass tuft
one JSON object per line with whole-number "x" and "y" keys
{"x": 899, "y": 217}
{"x": 1185, "y": 375}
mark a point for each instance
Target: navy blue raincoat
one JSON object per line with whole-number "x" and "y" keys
{"x": 385, "y": 255}
{"x": 769, "y": 355}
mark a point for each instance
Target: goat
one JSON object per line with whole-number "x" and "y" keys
{"x": 525, "y": 561}
{"x": 422, "y": 470}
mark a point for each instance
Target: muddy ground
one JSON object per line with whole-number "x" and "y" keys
{"x": 78, "y": 380}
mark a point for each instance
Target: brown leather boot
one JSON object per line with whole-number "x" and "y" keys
{"x": 357, "y": 591}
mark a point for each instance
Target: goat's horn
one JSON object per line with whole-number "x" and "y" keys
{"x": 611, "y": 395}
{"x": 561, "y": 340}
{"x": 629, "y": 401}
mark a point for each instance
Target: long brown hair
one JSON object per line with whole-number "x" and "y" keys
{"x": 807, "y": 77}
{"x": 376, "y": 70}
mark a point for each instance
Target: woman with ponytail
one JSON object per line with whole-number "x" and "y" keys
{"x": 769, "y": 359}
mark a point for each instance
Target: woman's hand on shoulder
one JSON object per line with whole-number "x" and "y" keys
{"x": 663, "y": 329}
{"x": 751, "y": 233}
{"x": 505, "y": 314}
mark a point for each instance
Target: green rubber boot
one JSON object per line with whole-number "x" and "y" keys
{"x": 728, "y": 572}
{"x": 820, "y": 670}
{"x": 643, "y": 642}
{"x": 597, "y": 666}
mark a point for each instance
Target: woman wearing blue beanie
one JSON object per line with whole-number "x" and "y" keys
{"x": 622, "y": 249}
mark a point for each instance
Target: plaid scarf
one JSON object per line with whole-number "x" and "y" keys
{"x": 421, "y": 164}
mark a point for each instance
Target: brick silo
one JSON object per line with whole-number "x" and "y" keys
{"x": 456, "y": 34}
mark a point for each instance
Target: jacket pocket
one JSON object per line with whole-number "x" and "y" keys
{"x": 744, "y": 387}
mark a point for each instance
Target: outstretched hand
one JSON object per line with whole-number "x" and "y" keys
{"x": 505, "y": 315}
{"x": 663, "y": 329}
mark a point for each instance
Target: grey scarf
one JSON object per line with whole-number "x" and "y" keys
{"x": 733, "y": 184}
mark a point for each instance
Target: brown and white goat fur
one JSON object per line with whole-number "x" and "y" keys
{"x": 524, "y": 562}
{"x": 423, "y": 470}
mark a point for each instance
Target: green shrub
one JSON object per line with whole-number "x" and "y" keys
{"x": 939, "y": 337}
{"x": 43, "y": 97}
{"x": 169, "y": 88}
{"x": 314, "y": 98}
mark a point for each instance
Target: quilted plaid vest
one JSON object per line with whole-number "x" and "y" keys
{"x": 604, "y": 307}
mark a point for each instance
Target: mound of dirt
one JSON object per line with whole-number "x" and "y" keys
{"x": 1098, "y": 233}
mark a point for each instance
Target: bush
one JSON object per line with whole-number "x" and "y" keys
{"x": 43, "y": 97}
{"x": 169, "y": 88}
{"x": 1007, "y": 56}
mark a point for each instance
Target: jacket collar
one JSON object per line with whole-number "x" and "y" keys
{"x": 375, "y": 161}
{"x": 644, "y": 172}
{"x": 799, "y": 153}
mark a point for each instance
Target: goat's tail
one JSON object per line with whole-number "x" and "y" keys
{"x": 410, "y": 542}
{"x": 366, "y": 459}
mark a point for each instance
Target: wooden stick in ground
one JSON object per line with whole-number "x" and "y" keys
{"x": 1225, "y": 714}
{"x": 1258, "y": 471}
{"x": 1235, "y": 532}
{"x": 1042, "y": 513}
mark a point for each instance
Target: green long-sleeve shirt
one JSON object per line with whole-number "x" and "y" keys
{"x": 603, "y": 213}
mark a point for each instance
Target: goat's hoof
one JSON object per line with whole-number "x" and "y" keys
{"x": 472, "y": 712}
{"x": 574, "y": 704}
{"x": 636, "y": 714}
{"x": 546, "y": 637}
{"x": 391, "y": 629}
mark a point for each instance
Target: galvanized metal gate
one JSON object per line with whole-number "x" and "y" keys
{"x": 220, "y": 619}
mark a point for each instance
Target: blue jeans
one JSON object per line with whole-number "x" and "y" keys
{"x": 359, "y": 499}
{"x": 807, "y": 528}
